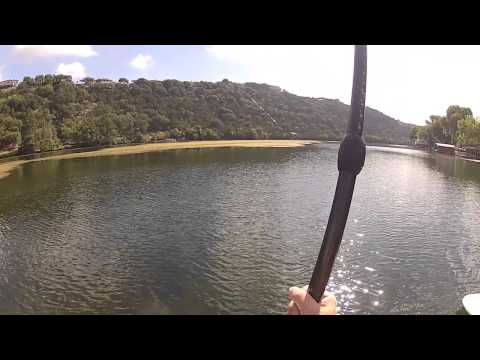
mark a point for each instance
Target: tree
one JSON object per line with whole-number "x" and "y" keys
{"x": 64, "y": 94}
{"x": 177, "y": 133}
{"x": 69, "y": 132}
{"x": 425, "y": 133}
{"x": 61, "y": 78}
{"x": 413, "y": 134}
{"x": 210, "y": 134}
{"x": 45, "y": 91}
{"x": 160, "y": 122}
{"x": 9, "y": 132}
{"x": 27, "y": 80}
{"x": 39, "y": 79}
{"x": 438, "y": 130}
{"x": 48, "y": 79}
{"x": 106, "y": 129}
{"x": 468, "y": 131}
{"x": 38, "y": 133}
{"x": 123, "y": 81}
{"x": 456, "y": 113}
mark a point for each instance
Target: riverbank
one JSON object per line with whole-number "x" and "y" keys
{"x": 7, "y": 167}
{"x": 400, "y": 146}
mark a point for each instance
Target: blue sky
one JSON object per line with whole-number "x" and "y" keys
{"x": 408, "y": 83}
{"x": 169, "y": 62}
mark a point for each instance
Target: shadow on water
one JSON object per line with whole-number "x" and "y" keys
{"x": 467, "y": 171}
{"x": 454, "y": 166}
{"x": 49, "y": 154}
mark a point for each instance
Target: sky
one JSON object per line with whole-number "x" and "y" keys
{"x": 408, "y": 83}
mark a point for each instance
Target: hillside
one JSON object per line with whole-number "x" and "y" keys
{"x": 51, "y": 111}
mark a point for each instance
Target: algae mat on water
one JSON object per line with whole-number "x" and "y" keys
{"x": 7, "y": 168}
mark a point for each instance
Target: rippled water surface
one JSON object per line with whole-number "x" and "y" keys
{"x": 228, "y": 231}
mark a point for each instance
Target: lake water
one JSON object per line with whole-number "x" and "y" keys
{"x": 228, "y": 231}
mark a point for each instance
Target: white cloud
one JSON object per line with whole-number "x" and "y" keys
{"x": 1, "y": 69}
{"x": 142, "y": 62}
{"x": 76, "y": 70}
{"x": 406, "y": 82}
{"x": 54, "y": 50}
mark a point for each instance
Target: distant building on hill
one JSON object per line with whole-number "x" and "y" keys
{"x": 5, "y": 84}
{"x": 103, "y": 81}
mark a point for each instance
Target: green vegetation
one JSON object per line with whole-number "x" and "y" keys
{"x": 457, "y": 127}
{"x": 468, "y": 131}
{"x": 49, "y": 112}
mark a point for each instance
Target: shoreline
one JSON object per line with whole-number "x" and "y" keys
{"x": 7, "y": 167}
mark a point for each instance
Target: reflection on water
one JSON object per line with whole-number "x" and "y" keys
{"x": 223, "y": 231}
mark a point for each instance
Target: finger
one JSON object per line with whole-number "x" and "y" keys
{"x": 293, "y": 309}
{"x": 302, "y": 299}
{"x": 328, "y": 305}
{"x": 297, "y": 309}
{"x": 328, "y": 309}
{"x": 297, "y": 295}
{"x": 328, "y": 298}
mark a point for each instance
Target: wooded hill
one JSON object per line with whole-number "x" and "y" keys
{"x": 47, "y": 112}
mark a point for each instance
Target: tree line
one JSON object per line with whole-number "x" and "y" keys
{"x": 50, "y": 112}
{"x": 457, "y": 127}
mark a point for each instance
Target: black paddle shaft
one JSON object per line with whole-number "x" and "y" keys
{"x": 351, "y": 157}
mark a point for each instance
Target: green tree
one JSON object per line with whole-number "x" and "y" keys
{"x": 69, "y": 133}
{"x": 413, "y": 134}
{"x": 38, "y": 132}
{"x": 57, "y": 79}
{"x": 10, "y": 134}
{"x": 439, "y": 132}
{"x": 160, "y": 122}
{"x": 45, "y": 91}
{"x": 107, "y": 130}
{"x": 27, "y": 80}
{"x": 468, "y": 131}
{"x": 48, "y": 79}
{"x": 456, "y": 113}
{"x": 39, "y": 79}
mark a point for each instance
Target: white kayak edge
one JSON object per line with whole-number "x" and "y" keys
{"x": 471, "y": 303}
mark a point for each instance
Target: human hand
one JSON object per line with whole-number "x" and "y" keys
{"x": 302, "y": 303}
